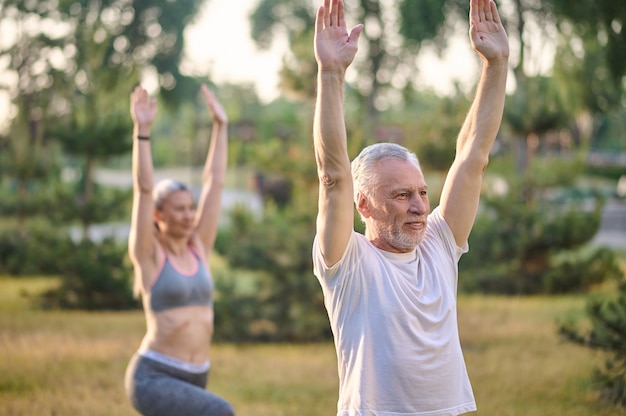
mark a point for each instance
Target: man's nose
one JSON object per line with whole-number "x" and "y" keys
{"x": 417, "y": 205}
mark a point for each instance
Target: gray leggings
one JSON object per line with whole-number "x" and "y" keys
{"x": 156, "y": 389}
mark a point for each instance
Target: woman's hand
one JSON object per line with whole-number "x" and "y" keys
{"x": 143, "y": 110}
{"x": 215, "y": 107}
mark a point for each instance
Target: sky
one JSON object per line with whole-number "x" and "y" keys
{"x": 219, "y": 43}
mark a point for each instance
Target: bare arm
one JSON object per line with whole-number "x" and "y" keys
{"x": 209, "y": 205}
{"x": 461, "y": 190}
{"x": 141, "y": 239}
{"x": 334, "y": 51}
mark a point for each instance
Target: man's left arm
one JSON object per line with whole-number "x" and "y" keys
{"x": 461, "y": 190}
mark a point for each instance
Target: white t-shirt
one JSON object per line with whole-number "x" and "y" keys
{"x": 394, "y": 321}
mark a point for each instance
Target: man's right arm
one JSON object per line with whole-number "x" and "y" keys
{"x": 335, "y": 49}
{"x": 335, "y": 216}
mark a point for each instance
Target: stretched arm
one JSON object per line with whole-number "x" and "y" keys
{"x": 209, "y": 205}
{"x": 143, "y": 111}
{"x": 334, "y": 51}
{"x": 461, "y": 190}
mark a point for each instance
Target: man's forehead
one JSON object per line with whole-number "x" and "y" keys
{"x": 404, "y": 170}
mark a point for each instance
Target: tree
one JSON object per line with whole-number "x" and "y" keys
{"x": 75, "y": 62}
{"x": 87, "y": 134}
{"x": 537, "y": 244}
{"x": 295, "y": 21}
{"x": 604, "y": 21}
{"x": 379, "y": 62}
{"x": 68, "y": 69}
{"x": 275, "y": 296}
{"x": 595, "y": 89}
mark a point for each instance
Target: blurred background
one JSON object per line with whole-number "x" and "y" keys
{"x": 553, "y": 212}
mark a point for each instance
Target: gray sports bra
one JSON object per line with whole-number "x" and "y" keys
{"x": 173, "y": 288}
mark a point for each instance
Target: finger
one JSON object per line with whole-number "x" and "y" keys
{"x": 474, "y": 11}
{"x": 334, "y": 12}
{"x": 341, "y": 22}
{"x": 319, "y": 19}
{"x": 494, "y": 12}
{"x": 137, "y": 95}
{"x": 326, "y": 13}
{"x": 141, "y": 94}
{"x": 355, "y": 33}
{"x": 481, "y": 10}
{"x": 487, "y": 9}
{"x": 206, "y": 92}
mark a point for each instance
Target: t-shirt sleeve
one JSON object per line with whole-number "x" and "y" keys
{"x": 328, "y": 276}
{"x": 321, "y": 270}
{"x": 440, "y": 228}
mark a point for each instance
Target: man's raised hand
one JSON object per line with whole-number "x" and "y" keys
{"x": 335, "y": 48}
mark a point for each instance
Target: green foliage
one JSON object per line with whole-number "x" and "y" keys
{"x": 29, "y": 175}
{"x": 433, "y": 125}
{"x": 278, "y": 297}
{"x": 607, "y": 315}
{"x": 531, "y": 250}
{"x": 95, "y": 136}
{"x": 28, "y": 199}
{"x": 34, "y": 250}
{"x": 603, "y": 20}
{"x": 609, "y": 135}
{"x": 581, "y": 271}
{"x": 293, "y": 20}
{"x": 537, "y": 106}
{"x": 93, "y": 276}
{"x": 105, "y": 204}
{"x": 532, "y": 238}
{"x": 423, "y": 21}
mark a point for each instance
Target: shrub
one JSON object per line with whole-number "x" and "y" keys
{"x": 34, "y": 252}
{"x": 93, "y": 276}
{"x": 275, "y": 296}
{"x": 536, "y": 247}
{"x": 607, "y": 333}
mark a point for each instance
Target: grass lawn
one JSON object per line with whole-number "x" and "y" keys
{"x": 72, "y": 363}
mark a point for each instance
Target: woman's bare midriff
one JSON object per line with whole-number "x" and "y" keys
{"x": 184, "y": 333}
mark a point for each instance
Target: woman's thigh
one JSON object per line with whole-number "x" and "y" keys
{"x": 155, "y": 389}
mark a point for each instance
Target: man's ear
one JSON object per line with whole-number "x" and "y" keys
{"x": 362, "y": 205}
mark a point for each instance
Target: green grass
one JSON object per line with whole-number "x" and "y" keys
{"x": 72, "y": 363}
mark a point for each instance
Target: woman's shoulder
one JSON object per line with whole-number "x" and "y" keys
{"x": 197, "y": 247}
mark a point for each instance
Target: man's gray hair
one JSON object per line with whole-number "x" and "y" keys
{"x": 164, "y": 188}
{"x": 363, "y": 173}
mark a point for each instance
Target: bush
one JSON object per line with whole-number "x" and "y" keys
{"x": 94, "y": 276}
{"x": 34, "y": 252}
{"x": 536, "y": 247}
{"x": 275, "y": 296}
{"x": 607, "y": 333}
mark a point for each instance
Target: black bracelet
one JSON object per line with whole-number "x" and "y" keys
{"x": 143, "y": 137}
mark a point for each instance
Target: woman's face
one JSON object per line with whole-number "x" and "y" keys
{"x": 177, "y": 215}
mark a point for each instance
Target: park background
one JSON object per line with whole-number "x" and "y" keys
{"x": 542, "y": 303}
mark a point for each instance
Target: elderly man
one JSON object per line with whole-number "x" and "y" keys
{"x": 391, "y": 293}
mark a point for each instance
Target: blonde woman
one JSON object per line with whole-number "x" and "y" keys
{"x": 169, "y": 244}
